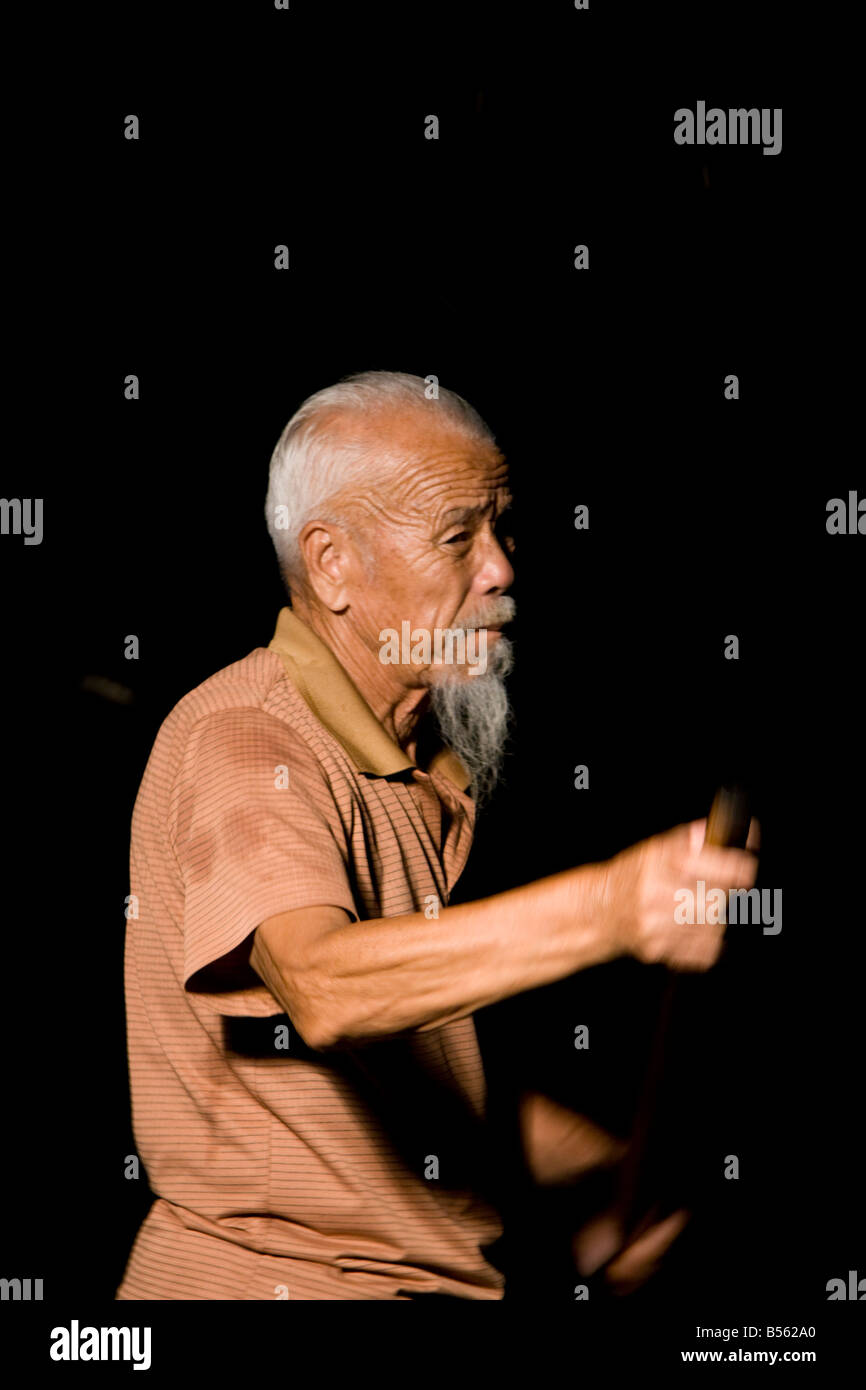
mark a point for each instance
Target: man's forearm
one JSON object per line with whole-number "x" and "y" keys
{"x": 345, "y": 981}
{"x": 373, "y": 979}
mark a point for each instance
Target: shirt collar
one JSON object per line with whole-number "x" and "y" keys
{"x": 339, "y": 705}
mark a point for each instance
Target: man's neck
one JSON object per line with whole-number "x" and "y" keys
{"x": 397, "y": 707}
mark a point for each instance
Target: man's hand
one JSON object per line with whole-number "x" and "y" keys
{"x": 631, "y": 1264}
{"x": 560, "y": 1145}
{"x": 641, "y": 888}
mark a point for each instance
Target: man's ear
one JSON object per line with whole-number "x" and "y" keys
{"x": 331, "y": 562}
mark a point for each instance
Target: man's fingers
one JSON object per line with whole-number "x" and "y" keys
{"x": 595, "y": 1242}
{"x": 697, "y": 835}
{"x": 737, "y": 868}
{"x": 637, "y": 1260}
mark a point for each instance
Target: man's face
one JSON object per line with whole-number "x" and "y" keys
{"x": 437, "y": 539}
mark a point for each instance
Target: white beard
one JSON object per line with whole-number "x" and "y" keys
{"x": 474, "y": 716}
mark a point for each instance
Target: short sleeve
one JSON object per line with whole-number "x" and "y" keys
{"x": 256, "y": 831}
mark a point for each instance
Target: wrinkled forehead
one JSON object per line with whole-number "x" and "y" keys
{"x": 422, "y": 466}
{"x": 450, "y": 475}
{"x": 436, "y": 465}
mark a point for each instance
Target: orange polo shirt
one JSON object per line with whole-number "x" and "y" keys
{"x": 280, "y": 1172}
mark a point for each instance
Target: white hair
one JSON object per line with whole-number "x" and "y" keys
{"x": 311, "y": 463}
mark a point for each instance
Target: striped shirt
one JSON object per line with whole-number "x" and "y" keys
{"x": 280, "y": 1172}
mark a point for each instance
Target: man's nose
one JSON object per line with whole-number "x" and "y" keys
{"x": 496, "y": 572}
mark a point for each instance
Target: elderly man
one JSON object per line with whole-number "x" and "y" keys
{"x": 308, "y": 1095}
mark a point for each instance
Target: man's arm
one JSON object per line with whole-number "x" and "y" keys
{"x": 347, "y": 981}
{"x": 343, "y": 981}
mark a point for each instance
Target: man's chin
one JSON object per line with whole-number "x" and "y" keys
{"x": 452, "y": 675}
{"x": 473, "y": 713}
{"x": 497, "y": 664}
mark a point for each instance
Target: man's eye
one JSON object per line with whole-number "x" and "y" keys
{"x": 460, "y": 536}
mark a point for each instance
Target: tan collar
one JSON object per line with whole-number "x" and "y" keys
{"x": 339, "y": 705}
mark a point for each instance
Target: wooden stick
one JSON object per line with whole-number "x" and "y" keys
{"x": 727, "y": 825}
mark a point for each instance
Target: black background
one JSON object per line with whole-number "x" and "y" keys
{"x": 707, "y": 517}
